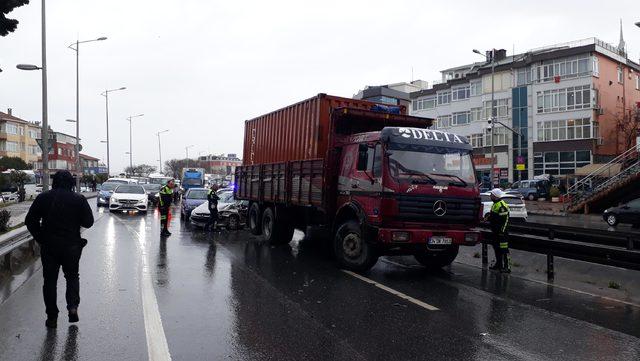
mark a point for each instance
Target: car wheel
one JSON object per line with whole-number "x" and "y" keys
{"x": 255, "y": 219}
{"x": 351, "y": 250}
{"x": 531, "y": 197}
{"x": 436, "y": 260}
{"x": 612, "y": 220}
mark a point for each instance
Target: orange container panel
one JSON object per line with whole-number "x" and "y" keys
{"x": 297, "y": 132}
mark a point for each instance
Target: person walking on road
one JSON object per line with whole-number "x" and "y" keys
{"x": 54, "y": 219}
{"x": 212, "y": 198}
{"x": 166, "y": 197}
{"x": 498, "y": 219}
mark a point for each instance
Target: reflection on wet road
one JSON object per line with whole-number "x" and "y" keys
{"x": 227, "y": 295}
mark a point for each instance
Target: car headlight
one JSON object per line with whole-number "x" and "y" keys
{"x": 142, "y": 201}
{"x": 114, "y": 199}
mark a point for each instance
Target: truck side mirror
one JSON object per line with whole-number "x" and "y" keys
{"x": 363, "y": 156}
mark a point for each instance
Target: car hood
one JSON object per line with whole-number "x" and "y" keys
{"x": 134, "y": 196}
{"x": 105, "y": 193}
{"x": 204, "y": 207}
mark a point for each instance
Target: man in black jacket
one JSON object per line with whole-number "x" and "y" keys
{"x": 54, "y": 219}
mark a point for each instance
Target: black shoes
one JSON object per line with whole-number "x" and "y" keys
{"x": 165, "y": 233}
{"x": 51, "y": 322}
{"x": 73, "y": 315}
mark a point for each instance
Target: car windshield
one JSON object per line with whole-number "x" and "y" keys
{"x": 193, "y": 182}
{"x": 109, "y": 186}
{"x": 152, "y": 187}
{"x": 130, "y": 189}
{"x": 160, "y": 181}
{"x": 119, "y": 181}
{"x": 513, "y": 200}
{"x": 197, "y": 194}
{"x": 226, "y": 197}
{"x": 450, "y": 168}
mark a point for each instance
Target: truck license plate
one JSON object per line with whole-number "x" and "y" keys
{"x": 439, "y": 240}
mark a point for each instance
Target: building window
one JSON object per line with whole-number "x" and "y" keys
{"x": 558, "y": 100}
{"x": 501, "y": 108}
{"x": 443, "y": 121}
{"x": 620, "y": 75}
{"x": 560, "y": 162}
{"x": 476, "y": 140}
{"x": 460, "y": 118}
{"x": 9, "y": 146}
{"x": 523, "y": 76}
{"x": 475, "y": 88}
{"x": 460, "y": 93}
{"x": 637, "y": 82}
{"x": 426, "y": 103}
{"x": 595, "y": 65}
{"x": 476, "y": 114}
{"x": 564, "y": 129}
{"x": 444, "y": 98}
{"x": 500, "y": 136}
{"x": 563, "y": 68}
{"x": 11, "y": 129}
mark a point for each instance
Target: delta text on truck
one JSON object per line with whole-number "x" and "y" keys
{"x": 378, "y": 180}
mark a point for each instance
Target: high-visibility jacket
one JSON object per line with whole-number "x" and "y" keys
{"x": 212, "y": 198}
{"x": 499, "y": 217}
{"x": 166, "y": 196}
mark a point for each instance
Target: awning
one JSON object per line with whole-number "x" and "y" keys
{"x": 607, "y": 170}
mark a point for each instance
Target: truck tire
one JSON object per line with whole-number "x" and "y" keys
{"x": 437, "y": 259}
{"x": 351, "y": 250}
{"x": 255, "y": 219}
{"x": 276, "y": 230}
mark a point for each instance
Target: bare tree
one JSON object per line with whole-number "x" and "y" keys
{"x": 627, "y": 125}
{"x": 9, "y": 25}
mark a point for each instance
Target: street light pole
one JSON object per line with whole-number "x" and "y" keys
{"x": 105, "y": 94}
{"x": 160, "y": 149}
{"x": 45, "y": 113}
{"x": 130, "y": 140}
{"x": 77, "y": 50}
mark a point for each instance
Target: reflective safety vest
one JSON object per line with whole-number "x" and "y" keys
{"x": 499, "y": 217}
{"x": 166, "y": 195}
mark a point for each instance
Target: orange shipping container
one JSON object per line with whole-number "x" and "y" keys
{"x": 297, "y": 132}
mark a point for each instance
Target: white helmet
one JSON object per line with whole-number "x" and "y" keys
{"x": 497, "y": 192}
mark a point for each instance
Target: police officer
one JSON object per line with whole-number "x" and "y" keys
{"x": 212, "y": 198}
{"x": 166, "y": 197}
{"x": 54, "y": 219}
{"x": 498, "y": 219}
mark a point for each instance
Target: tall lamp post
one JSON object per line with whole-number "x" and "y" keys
{"x": 105, "y": 94}
{"x": 493, "y": 117}
{"x": 130, "y": 139}
{"x": 186, "y": 149}
{"x": 160, "y": 148}
{"x": 76, "y": 47}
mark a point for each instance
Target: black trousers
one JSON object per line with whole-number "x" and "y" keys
{"x": 53, "y": 257}
{"x": 164, "y": 217}
{"x": 213, "y": 218}
{"x": 500, "y": 244}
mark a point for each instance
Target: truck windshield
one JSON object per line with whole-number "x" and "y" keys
{"x": 447, "y": 168}
{"x": 193, "y": 181}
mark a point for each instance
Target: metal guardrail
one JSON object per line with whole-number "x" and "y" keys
{"x": 13, "y": 243}
{"x": 619, "y": 249}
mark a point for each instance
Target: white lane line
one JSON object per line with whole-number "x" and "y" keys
{"x": 392, "y": 291}
{"x": 157, "y": 345}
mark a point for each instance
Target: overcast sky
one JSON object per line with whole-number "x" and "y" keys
{"x": 202, "y": 67}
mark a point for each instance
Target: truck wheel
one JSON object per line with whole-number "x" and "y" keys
{"x": 276, "y": 230}
{"x": 255, "y": 219}
{"x": 351, "y": 250}
{"x": 437, "y": 259}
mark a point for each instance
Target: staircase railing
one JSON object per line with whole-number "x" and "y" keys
{"x": 621, "y": 167}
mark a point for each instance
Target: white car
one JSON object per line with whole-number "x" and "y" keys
{"x": 129, "y": 197}
{"x": 517, "y": 207}
{"x": 228, "y": 214}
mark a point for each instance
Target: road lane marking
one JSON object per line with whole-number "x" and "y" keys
{"x": 393, "y": 292}
{"x": 157, "y": 345}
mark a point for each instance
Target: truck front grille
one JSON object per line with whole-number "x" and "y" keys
{"x": 422, "y": 208}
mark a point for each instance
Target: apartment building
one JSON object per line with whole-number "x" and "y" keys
{"x": 92, "y": 165}
{"x": 392, "y": 94}
{"x": 220, "y": 164}
{"x": 62, "y": 155}
{"x": 18, "y": 138}
{"x": 567, "y": 101}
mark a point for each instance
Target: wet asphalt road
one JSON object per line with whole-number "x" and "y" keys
{"x": 227, "y": 295}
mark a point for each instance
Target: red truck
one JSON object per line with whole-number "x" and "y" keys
{"x": 380, "y": 181}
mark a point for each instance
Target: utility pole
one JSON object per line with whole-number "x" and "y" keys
{"x": 45, "y": 113}
{"x": 160, "y": 149}
{"x": 130, "y": 140}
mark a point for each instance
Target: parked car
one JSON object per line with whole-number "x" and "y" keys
{"x": 232, "y": 213}
{"x": 104, "y": 193}
{"x": 121, "y": 180}
{"x": 531, "y": 189}
{"x": 129, "y": 197}
{"x": 192, "y": 199}
{"x": 626, "y": 213}
{"x": 517, "y": 207}
{"x": 153, "y": 192}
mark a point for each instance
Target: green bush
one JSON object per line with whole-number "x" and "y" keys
{"x": 554, "y": 192}
{"x": 5, "y": 216}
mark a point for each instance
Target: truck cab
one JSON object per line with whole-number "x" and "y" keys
{"x": 405, "y": 191}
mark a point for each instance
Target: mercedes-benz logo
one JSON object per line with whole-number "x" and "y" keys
{"x": 439, "y": 208}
